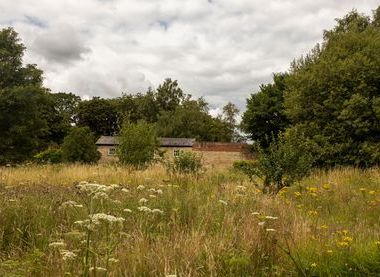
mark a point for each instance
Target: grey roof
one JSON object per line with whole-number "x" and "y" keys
{"x": 164, "y": 142}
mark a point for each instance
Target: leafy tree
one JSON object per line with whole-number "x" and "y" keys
{"x": 332, "y": 93}
{"x": 23, "y": 102}
{"x": 79, "y": 146}
{"x": 265, "y": 116}
{"x": 100, "y": 115}
{"x": 230, "y": 112}
{"x": 138, "y": 144}
{"x": 169, "y": 95}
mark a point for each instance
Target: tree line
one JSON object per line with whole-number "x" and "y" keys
{"x": 32, "y": 118}
{"x": 330, "y": 98}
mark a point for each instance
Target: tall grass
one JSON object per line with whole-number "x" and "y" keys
{"x": 218, "y": 224}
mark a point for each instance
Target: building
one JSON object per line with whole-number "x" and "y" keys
{"x": 221, "y": 154}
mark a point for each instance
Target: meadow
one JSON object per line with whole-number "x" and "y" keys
{"x": 103, "y": 220}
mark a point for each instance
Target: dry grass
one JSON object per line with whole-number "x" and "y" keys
{"x": 210, "y": 226}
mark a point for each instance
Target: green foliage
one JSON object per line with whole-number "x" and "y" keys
{"x": 265, "y": 116}
{"x": 248, "y": 167}
{"x": 332, "y": 93}
{"x": 79, "y": 146}
{"x": 185, "y": 163}
{"x": 100, "y": 115}
{"x": 138, "y": 144}
{"x": 50, "y": 155}
{"x": 287, "y": 159}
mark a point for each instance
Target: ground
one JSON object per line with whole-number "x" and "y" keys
{"x": 110, "y": 220}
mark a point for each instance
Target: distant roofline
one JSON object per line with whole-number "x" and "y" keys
{"x": 164, "y": 142}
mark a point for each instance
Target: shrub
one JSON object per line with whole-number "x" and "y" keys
{"x": 79, "y": 146}
{"x": 138, "y": 144}
{"x": 185, "y": 163}
{"x": 248, "y": 167}
{"x": 50, "y": 155}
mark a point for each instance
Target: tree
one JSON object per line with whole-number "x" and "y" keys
{"x": 265, "y": 116}
{"x": 79, "y": 146}
{"x": 169, "y": 95}
{"x": 23, "y": 102}
{"x": 230, "y": 112}
{"x": 100, "y": 115}
{"x": 332, "y": 93}
{"x": 138, "y": 144}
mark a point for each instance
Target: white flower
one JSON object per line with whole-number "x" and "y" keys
{"x": 91, "y": 188}
{"x": 159, "y": 191}
{"x": 57, "y": 244}
{"x": 113, "y": 260}
{"x": 152, "y": 196}
{"x": 98, "y": 269}
{"x": 144, "y": 209}
{"x": 270, "y": 230}
{"x": 255, "y": 213}
{"x": 152, "y": 190}
{"x": 271, "y": 217}
{"x": 143, "y": 200}
{"x": 261, "y": 223}
{"x": 243, "y": 188}
{"x": 101, "y": 195}
{"x": 125, "y": 190}
{"x": 158, "y": 211}
{"x": 96, "y": 218}
{"x": 223, "y": 202}
{"x": 140, "y": 187}
{"x": 127, "y": 210}
{"x": 69, "y": 204}
{"x": 68, "y": 255}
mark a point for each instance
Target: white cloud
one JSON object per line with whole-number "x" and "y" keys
{"x": 218, "y": 49}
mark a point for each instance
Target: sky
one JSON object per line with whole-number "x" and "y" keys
{"x": 221, "y": 50}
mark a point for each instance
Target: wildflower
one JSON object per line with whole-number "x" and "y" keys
{"x": 140, "y": 187}
{"x": 313, "y": 265}
{"x": 125, "y": 190}
{"x": 377, "y": 242}
{"x": 312, "y": 189}
{"x": 96, "y": 218}
{"x": 326, "y": 186}
{"x": 223, "y": 202}
{"x": 299, "y": 206}
{"x": 113, "y": 260}
{"x": 345, "y": 232}
{"x": 157, "y": 211}
{"x": 159, "y": 191}
{"x": 255, "y": 213}
{"x": 362, "y": 190}
{"x": 372, "y": 192}
{"x": 143, "y": 200}
{"x": 92, "y": 188}
{"x": 57, "y": 244}
{"x": 98, "y": 269}
{"x": 68, "y": 255}
{"x": 68, "y": 204}
{"x": 297, "y": 194}
{"x": 329, "y": 251}
{"x": 241, "y": 188}
{"x": 261, "y": 223}
{"x": 152, "y": 190}
{"x": 101, "y": 195}
{"x": 347, "y": 239}
{"x": 342, "y": 243}
{"x": 270, "y": 230}
{"x": 312, "y": 213}
{"x": 324, "y": 226}
{"x": 152, "y": 196}
{"x": 271, "y": 217}
{"x": 144, "y": 209}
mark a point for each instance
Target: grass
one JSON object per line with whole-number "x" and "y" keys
{"x": 218, "y": 224}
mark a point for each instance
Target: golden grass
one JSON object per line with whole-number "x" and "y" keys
{"x": 328, "y": 224}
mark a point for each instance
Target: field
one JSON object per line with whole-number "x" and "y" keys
{"x": 70, "y": 220}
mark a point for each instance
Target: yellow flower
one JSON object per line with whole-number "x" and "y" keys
{"x": 377, "y": 242}
{"x": 342, "y": 243}
{"x": 372, "y": 192}
{"x": 299, "y": 206}
{"x": 313, "y": 265}
{"x": 324, "y": 226}
{"x": 326, "y": 186}
{"x": 313, "y": 194}
{"x": 329, "y": 251}
{"x": 347, "y": 239}
{"x": 312, "y": 189}
{"x": 312, "y": 213}
{"x": 297, "y": 194}
{"x": 362, "y": 189}
{"x": 345, "y": 232}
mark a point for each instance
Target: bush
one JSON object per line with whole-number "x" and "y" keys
{"x": 288, "y": 159}
{"x": 79, "y": 146}
{"x": 50, "y": 155}
{"x": 185, "y": 163}
{"x": 248, "y": 167}
{"x": 138, "y": 144}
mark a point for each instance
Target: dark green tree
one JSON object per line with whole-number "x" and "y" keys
{"x": 169, "y": 95}
{"x": 265, "y": 116}
{"x": 230, "y": 113}
{"x": 79, "y": 146}
{"x": 100, "y": 115}
{"x": 138, "y": 144}
{"x": 332, "y": 93}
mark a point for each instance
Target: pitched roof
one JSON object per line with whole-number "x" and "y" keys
{"x": 164, "y": 142}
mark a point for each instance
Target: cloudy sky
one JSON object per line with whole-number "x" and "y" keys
{"x": 220, "y": 49}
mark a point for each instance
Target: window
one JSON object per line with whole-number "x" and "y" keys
{"x": 176, "y": 152}
{"x": 111, "y": 151}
